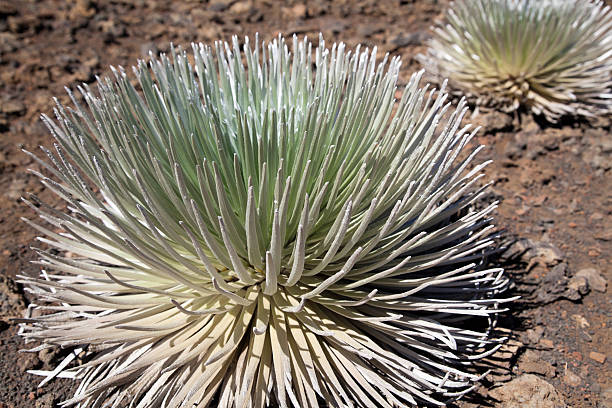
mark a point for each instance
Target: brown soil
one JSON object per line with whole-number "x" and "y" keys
{"x": 553, "y": 182}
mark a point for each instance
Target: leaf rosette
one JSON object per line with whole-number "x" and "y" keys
{"x": 552, "y": 56}
{"x": 250, "y": 226}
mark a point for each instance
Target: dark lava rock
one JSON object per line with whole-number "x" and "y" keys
{"x": 527, "y": 391}
{"x": 405, "y": 40}
{"x": 528, "y": 251}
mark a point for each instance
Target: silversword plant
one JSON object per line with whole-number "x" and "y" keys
{"x": 552, "y": 56}
{"x": 260, "y": 227}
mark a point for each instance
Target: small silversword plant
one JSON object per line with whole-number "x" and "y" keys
{"x": 257, "y": 227}
{"x": 552, "y": 56}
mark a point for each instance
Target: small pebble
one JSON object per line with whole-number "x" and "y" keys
{"x": 599, "y": 357}
{"x": 546, "y": 343}
{"x": 594, "y": 278}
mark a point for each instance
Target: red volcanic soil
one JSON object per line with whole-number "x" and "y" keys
{"x": 554, "y": 183}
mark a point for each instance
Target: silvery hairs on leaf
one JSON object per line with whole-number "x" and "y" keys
{"x": 552, "y": 56}
{"x": 256, "y": 227}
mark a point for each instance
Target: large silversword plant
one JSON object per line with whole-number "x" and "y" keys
{"x": 552, "y": 56}
{"x": 265, "y": 228}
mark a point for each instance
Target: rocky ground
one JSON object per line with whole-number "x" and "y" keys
{"x": 553, "y": 182}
